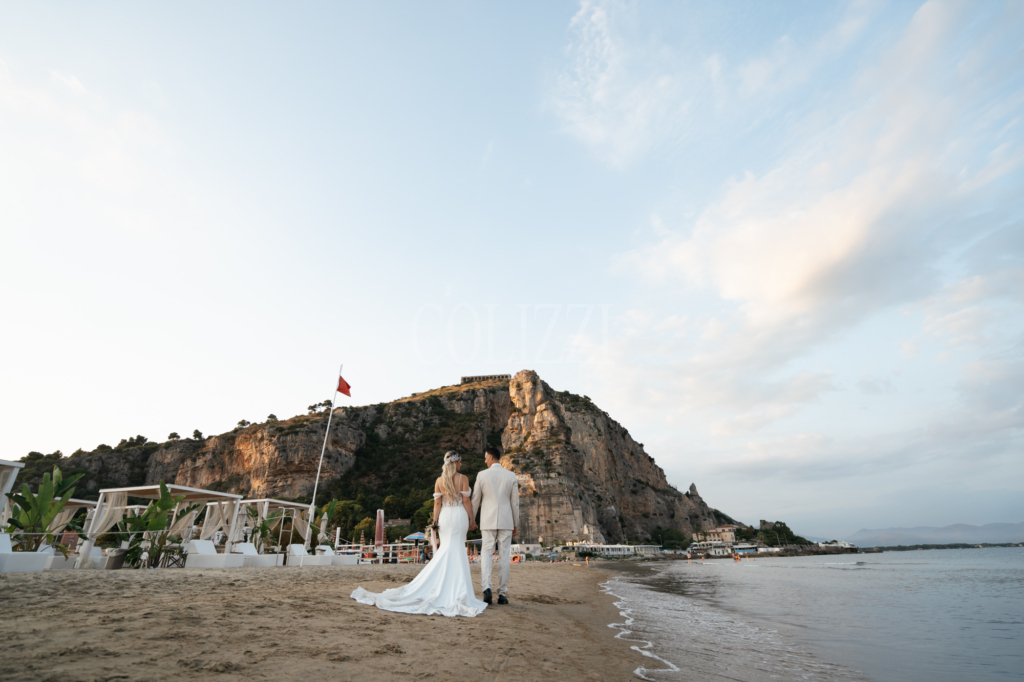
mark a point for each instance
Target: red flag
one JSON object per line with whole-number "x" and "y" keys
{"x": 343, "y": 387}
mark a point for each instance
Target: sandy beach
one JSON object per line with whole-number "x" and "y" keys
{"x": 274, "y": 624}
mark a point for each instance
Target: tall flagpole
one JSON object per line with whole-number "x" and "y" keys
{"x": 312, "y": 504}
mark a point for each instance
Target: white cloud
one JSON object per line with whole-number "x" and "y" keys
{"x": 51, "y": 146}
{"x": 846, "y": 222}
{"x": 612, "y": 99}
{"x": 70, "y": 82}
{"x": 900, "y": 189}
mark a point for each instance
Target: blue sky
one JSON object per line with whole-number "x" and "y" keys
{"x": 783, "y": 245}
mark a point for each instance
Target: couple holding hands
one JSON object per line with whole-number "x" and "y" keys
{"x": 444, "y": 587}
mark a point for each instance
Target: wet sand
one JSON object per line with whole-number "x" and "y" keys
{"x": 300, "y": 624}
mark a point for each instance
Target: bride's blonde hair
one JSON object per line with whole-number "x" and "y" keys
{"x": 448, "y": 471}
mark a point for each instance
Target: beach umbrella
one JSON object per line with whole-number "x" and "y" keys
{"x": 416, "y": 536}
{"x": 378, "y": 539}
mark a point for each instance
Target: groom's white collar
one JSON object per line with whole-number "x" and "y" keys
{"x": 496, "y": 464}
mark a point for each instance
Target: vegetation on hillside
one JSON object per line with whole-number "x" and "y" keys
{"x": 397, "y": 474}
{"x": 671, "y": 538}
{"x": 779, "y": 535}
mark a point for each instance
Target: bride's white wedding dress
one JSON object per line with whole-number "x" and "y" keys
{"x": 444, "y": 587}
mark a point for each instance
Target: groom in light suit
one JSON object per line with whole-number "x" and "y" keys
{"x": 496, "y": 495}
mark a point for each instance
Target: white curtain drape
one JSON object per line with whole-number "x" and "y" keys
{"x": 301, "y": 525}
{"x": 218, "y": 517}
{"x": 113, "y": 511}
{"x": 228, "y": 515}
{"x": 322, "y": 537}
{"x": 6, "y": 510}
{"x": 243, "y": 519}
{"x": 61, "y": 520}
{"x": 182, "y": 522}
{"x": 214, "y": 520}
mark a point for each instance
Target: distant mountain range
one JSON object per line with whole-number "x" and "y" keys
{"x": 928, "y": 535}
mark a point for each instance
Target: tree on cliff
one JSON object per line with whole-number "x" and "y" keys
{"x": 325, "y": 405}
{"x": 135, "y": 442}
{"x": 197, "y": 434}
{"x": 174, "y": 436}
{"x": 37, "y": 464}
{"x": 243, "y": 423}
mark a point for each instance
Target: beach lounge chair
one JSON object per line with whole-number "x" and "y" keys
{"x": 113, "y": 559}
{"x": 252, "y": 558}
{"x": 297, "y": 556}
{"x": 56, "y": 562}
{"x": 203, "y": 554}
{"x": 324, "y": 554}
{"x": 345, "y": 559}
{"x": 20, "y": 562}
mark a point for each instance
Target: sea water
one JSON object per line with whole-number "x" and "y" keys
{"x": 892, "y": 617}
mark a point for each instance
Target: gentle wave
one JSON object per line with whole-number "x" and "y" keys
{"x": 624, "y": 630}
{"x": 701, "y": 641}
{"x": 945, "y": 616}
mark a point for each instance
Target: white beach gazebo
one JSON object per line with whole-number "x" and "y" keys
{"x": 8, "y": 472}
{"x": 293, "y": 511}
{"x": 57, "y": 525}
{"x": 112, "y": 505}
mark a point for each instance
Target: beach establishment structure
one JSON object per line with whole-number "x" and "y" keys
{"x": 112, "y": 505}
{"x": 726, "y": 533}
{"x": 226, "y": 516}
{"x": 296, "y": 515}
{"x": 295, "y": 512}
{"x": 527, "y": 548}
{"x": 618, "y": 550}
{"x": 711, "y": 548}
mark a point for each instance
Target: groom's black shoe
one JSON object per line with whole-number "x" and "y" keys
{"x": 487, "y": 596}
{"x": 502, "y": 599}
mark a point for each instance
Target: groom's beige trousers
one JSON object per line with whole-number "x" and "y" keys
{"x": 504, "y": 540}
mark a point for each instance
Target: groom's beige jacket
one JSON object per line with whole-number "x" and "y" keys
{"x": 496, "y": 496}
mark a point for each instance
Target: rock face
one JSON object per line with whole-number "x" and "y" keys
{"x": 581, "y": 475}
{"x": 267, "y": 460}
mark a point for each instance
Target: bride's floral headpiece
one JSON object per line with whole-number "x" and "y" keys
{"x": 452, "y": 456}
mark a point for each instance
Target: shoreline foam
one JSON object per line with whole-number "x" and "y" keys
{"x": 624, "y": 630}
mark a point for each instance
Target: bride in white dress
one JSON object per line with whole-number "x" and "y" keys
{"x": 444, "y": 587}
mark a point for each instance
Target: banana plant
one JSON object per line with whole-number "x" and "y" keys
{"x": 154, "y": 522}
{"x": 262, "y": 531}
{"x": 32, "y": 514}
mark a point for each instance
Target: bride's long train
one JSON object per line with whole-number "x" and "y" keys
{"x": 444, "y": 587}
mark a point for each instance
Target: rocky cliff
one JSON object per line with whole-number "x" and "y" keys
{"x": 581, "y": 475}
